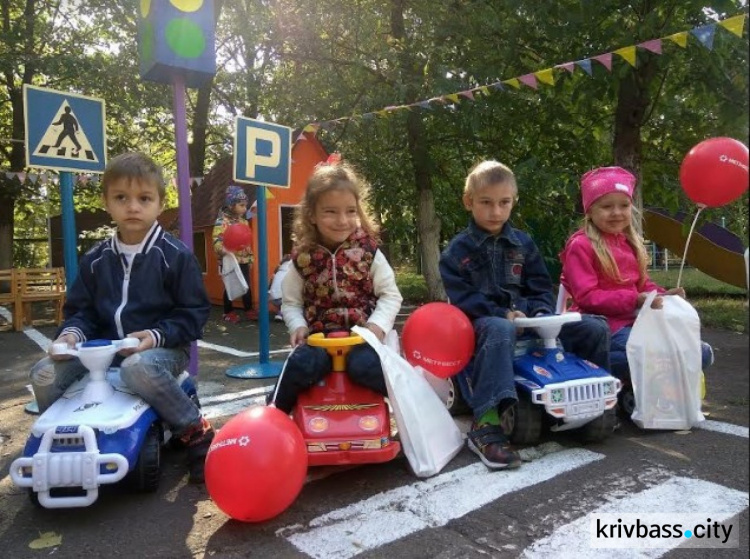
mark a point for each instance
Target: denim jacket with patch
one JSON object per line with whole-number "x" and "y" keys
{"x": 489, "y": 275}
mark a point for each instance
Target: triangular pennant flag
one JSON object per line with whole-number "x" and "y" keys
{"x": 499, "y": 86}
{"x": 628, "y": 53}
{"x": 653, "y": 45}
{"x": 586, "y": 65}
{"x": 734, "y": 24}
{"x": 83, "y": 179}
{"x": 485, "y": 90}
{"x": 21, "y": 176}
{"x": 424, "y": 105}
{"x": 513, "y": 82}
{"x": 33, "y": 177}
{"x": 605, "y": 60}
{"x": 528, "y": 79}
{"x": 567, "y": 66}
{"x": 301, "y": 137}
{"x": 705, "y": 34}
{"x": 545, "y": 76}
{"x": 468, "y": 94}
{"x": 269, "y": 195}
{"x": 453, "y": 97}
{"x": 313, "y": 128}
{"x": 679, "y": 38}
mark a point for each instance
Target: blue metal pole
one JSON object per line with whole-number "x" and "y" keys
{"x": 70, "y": 253}
{"x": 183, "y": 182}
{"x": 265, "y": 354}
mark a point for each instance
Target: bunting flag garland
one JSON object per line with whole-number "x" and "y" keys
{"x": 704, "y": 34}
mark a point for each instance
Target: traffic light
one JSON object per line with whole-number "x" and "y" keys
{"x": 176, "y": 36}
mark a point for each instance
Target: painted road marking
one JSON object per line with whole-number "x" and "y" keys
{"x": 721, "y": 427}
{"x": 677, "y": 494}
{"x": 394, "y": 514}
{"x": 237, "y": 352}
{"x": 223, "y": 405}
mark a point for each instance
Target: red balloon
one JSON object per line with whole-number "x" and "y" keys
{"x": 256, "y": 465}
{"x": 439, "y": 338}
{"x": 237, "y": 237}
{"x": 715, "y": 172}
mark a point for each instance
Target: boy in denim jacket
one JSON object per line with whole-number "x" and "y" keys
{"x": 494, "y": 273}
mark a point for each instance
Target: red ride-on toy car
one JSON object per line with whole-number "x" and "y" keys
{"x": 342, "y": 422}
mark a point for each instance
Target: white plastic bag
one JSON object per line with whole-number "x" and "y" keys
{"x": 231, "y": 274}
{"x": 429, "y": 436}
{"x": 664, "y": 355}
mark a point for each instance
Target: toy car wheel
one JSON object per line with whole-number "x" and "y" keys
{"x": 145, "y": 476}
{"x": 455, "y": 402}
{"x": 526, "y": 421}
{"x": 598, "y": 429}
{"x": 626, "y": 401}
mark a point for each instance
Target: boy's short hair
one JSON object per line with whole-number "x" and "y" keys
{"x": 134, "y": 165}
{"x": 486, "y": 173}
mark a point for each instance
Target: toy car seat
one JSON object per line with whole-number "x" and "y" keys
{"x": 343, "y": 422}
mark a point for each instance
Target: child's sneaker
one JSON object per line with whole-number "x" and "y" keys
{"x": 491, "y": 445}
{"x": 198, "y": 440}
{"x": 251, "y": 314}
{"x": 231, "y": 317}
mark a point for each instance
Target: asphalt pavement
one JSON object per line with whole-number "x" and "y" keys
{"x": 544, "y": 509}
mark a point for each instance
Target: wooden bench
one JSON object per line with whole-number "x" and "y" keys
{"x": 38, "y": 285}
{"x": 8, "y": 289}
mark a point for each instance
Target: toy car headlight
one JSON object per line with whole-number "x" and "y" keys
{"x": 318, "y": 424}
{"x": 557, "y": 395}
{"x": 609, "y": 388}
{"x": 369, "y": 423}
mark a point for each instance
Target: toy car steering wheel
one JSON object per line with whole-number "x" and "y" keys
{"x": 548, "y": 326}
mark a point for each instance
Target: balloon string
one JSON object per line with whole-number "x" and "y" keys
{"x": 687, "y": 243}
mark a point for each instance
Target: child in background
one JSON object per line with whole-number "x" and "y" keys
{"x": 142, "y": 283}
{"x": 274, "y": 292}
{"x": 233, "y": 212}
{"x": 338, "y": 279}
{"x": 494, "y": 273}
{"x": 605, "y": 262}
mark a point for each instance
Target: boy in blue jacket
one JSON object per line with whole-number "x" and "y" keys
{"x": 142, "y": 283}
{"x": 494, "y": 273}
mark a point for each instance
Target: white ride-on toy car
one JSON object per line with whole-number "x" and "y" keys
{"x": 98, "y": 432}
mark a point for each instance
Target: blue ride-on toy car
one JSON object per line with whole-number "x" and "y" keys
{"x": 98, "y": 432}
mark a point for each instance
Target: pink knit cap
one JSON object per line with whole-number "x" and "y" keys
{"x": 603, "y": 180}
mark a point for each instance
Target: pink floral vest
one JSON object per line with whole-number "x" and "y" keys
{"x": 338, "y": 290}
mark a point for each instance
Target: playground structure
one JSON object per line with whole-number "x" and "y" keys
{"x": 714, "y": 250}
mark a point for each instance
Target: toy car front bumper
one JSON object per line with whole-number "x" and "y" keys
{"x": 47, "y": 470}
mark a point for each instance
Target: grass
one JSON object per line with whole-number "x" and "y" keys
{"x": 719, "y": 305}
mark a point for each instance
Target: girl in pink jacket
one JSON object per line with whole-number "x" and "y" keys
{"x": 605, "y": 265}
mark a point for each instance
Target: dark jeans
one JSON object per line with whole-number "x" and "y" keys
{"x": 488, "y": 378}
{"x": 308, "y": 365}
{"x": 619, "y": 355}
{"x": 247, "y": 298}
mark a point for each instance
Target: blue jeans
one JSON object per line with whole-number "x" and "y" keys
{"x": 619, "y": 356}
{"x": 152, "y": 374}
{"x": 308, "y": 365}
{"x": 488, "y": 378}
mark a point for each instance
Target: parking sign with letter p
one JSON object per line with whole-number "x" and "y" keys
{"x": 262, "y": 153}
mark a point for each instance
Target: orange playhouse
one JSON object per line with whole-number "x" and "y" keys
{"x": 208, "y": 197}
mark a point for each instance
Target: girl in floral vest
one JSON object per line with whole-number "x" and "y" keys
{"x": 338, "y": 279}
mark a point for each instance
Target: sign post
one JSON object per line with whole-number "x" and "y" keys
{"x": 262, "y": 157}
{"x": 65, "y": 132}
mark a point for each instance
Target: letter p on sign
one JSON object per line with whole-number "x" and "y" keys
{"x": 262, "y": 153}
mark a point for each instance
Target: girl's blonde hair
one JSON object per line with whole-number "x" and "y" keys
{"x": 327, "y": 177}
{"x": 604, "y": 255}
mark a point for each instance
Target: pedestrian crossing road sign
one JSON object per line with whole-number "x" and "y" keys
{"x": 64, "y": 131}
